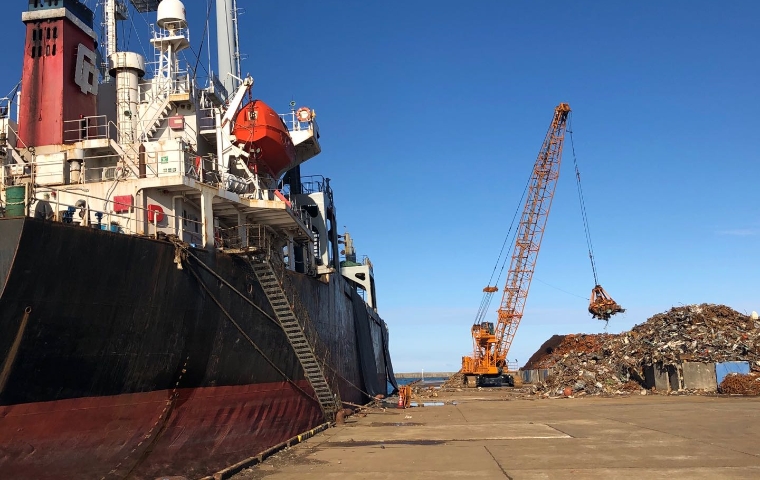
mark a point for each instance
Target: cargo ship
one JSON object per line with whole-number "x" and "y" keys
{"x": 175, "y": 297}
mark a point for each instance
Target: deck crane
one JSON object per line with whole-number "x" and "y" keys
{"x": 492, "y": 342}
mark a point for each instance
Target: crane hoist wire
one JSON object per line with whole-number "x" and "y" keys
{"x": 582, "y": 202}
{"x": 601, "y": 304}
{"x": 491, "y": 287}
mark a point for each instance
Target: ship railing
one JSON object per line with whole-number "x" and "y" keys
{"x": 6, "y": 107}
{"x": 159, "y": 33}
{"x": 108, "y": 167}
{"x": 313, "y": 184}
{"x": 158, "y": 88}
{"x": 86, "y": 128}
{"x": 206, "y": 119}
{"x": 204, "y": 169}
{"x": 317, "y": 184}
{"x": 300, "y": 212}
{"x": 250, "y": 237}
{"x": 81, "y": 208}
{"x": 294, "y": 124}
{"x": 205, "y": 80}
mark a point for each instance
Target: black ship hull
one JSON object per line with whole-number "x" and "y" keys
{"x": 118, "y": 364}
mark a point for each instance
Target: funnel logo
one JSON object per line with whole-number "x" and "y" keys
{"x": 86, "y": 71}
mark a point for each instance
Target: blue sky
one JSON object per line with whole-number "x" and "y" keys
{"x": 432, "y": 114}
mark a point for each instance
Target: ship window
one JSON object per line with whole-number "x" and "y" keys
{"x": 34, "y": 35}
{"x": 48, "y": 33}
{"x": 39, "y": 51}
{"x": 33, "y": 49}
{"x": 47, "y": 50}
{"x": 54, "y": 45}
{"x": 55, "y": 30}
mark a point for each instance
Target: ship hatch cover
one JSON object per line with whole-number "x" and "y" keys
{"x": 145, "y": 6}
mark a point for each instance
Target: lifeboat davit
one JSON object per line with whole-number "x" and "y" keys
{"x": 265, "y": 136}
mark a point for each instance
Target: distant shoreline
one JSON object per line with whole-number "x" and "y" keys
{"x": 425, "y": 375}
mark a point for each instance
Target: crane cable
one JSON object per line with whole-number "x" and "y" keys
{"x": 485, "y": 302}
{"x": 582, "y": 203}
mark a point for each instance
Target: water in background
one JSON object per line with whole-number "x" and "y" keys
{"x": 427, "y": 382}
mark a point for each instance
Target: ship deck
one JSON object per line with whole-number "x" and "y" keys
{"x": 228, "y": 205}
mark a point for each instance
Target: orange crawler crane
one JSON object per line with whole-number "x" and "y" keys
{"x": 487, "y": 366}
{"x": 492, "y": 342}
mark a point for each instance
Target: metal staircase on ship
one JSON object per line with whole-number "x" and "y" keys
{"x": 295, "y": 323}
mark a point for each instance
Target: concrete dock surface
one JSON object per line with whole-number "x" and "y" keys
{"x": 492, "y": 434}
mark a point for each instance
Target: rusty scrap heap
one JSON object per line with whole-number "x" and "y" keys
{"x": 739, "y": 384}
{"x": 605, "y": 363}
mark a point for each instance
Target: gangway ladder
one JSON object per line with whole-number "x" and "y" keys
{"x": 283, "y": 310}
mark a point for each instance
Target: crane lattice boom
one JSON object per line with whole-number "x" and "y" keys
{"x": 492, "y": 344}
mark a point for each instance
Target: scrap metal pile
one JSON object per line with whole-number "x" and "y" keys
{"x": 607, "y": 363}
{"x": 739, "y": 384}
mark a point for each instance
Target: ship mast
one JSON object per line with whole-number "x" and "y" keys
{"x": 113, "y": 12}
{"x": 228, "y": 51}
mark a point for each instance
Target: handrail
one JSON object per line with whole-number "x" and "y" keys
{"x": 294, "y": 124}
{"x": 109, "y": 214}
{"x": 94, "y": 127}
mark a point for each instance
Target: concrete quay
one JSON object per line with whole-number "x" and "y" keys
{"x": 495, "y": 434}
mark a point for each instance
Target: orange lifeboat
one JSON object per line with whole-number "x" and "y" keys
{"x": 266, "y": 138}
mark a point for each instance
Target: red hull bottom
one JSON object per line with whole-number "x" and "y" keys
{"x": 190, "y": 433}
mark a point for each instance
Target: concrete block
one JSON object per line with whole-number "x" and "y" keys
{"x": 699, "y": 376}
{"x": 658, "y": 376}
{"x": 676, "y": 379}
{"x": 724, "y": 368}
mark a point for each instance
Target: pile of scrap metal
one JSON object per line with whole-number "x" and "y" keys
{"x": 603, "y": 364}
{"x": 740, "y": 384}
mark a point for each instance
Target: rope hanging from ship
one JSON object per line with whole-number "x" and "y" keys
{"x": 183, "y": 254}
{"x": 248, "y": 338}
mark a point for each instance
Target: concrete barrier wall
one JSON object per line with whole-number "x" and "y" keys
{"x": 534, "y": 376}
{"x": 664, "y": 378}
{"x": 699, "y": 376}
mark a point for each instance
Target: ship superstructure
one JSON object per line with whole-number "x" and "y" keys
{"x": 124, "y": 154}
{"x": 161, "y": 155}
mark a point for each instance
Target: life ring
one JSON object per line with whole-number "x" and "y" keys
{"x": 303, "y": 114}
